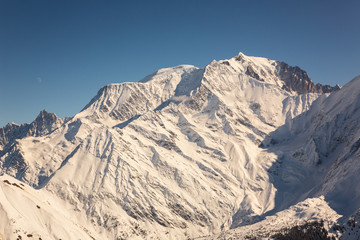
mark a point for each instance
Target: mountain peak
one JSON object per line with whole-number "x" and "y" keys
{"x": 240, "y": 56}
{"x": 293, "y": 78}
{"x": 46, "y": 116}
{"x": 43, "y": 124}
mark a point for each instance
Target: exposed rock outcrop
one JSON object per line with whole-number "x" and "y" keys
{"x": 297, "y": 80}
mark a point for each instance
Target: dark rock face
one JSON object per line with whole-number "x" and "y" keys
{"x": 13, "y": 162}
{"x": 40, "y": 126}
{"x": 10, "y": 131}
{"x": 326, "y": 88}
{"x": 250, "y": 72}
{"x": 297, "y": 80}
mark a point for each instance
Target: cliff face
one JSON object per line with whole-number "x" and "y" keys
{"x": 297, "y": 80}
{"x": 10, "y": 131}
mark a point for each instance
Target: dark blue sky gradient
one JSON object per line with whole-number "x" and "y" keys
{"x": 56, "y": 55}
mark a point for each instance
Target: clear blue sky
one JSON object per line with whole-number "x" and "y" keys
{"x": 55, "y": 55}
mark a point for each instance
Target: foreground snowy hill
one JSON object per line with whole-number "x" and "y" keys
{"x": 186, "y": 152}
{"x": 26, "y": 212}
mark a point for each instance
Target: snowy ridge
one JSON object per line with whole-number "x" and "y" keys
{"x": 120, "y": 102}
{"x": 175, "y": 155}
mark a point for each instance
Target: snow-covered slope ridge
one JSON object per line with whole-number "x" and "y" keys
{"x": 120, "y": 102}
{"x": 320, "y": 152}
{"x": 173, "y": 156}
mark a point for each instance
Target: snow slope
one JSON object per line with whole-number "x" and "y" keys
{"x": 320, "y": 152}
{"x": 26, "y": 212}
{"x": 175, "y": 155}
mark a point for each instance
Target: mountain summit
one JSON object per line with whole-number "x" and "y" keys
{"x": 186, "y": 152}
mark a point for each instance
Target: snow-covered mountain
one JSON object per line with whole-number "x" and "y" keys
{"x": 186, "y": 152}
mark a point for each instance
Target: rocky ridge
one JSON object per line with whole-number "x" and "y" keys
{"x": 297, "y": 80}
{"x": 44, "y": 123}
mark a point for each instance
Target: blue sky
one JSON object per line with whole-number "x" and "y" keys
{"x": 56, "y": 55}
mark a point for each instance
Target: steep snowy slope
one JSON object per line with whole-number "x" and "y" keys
{"x": 320, "y": 152}
{"x": 318, "y": 155}
{"x": 173, "y": 156}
